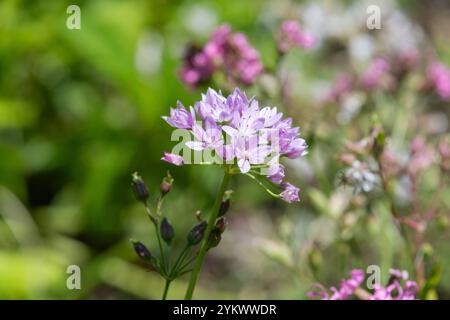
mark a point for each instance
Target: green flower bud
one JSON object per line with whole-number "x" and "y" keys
{"x": 139, "y": 188}
{"x": 166, "y": 229}
{"x": 166, "y": 184}
{"x": 196, "y": 234}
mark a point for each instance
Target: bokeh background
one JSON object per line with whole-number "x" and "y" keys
{"x": 80, "y": 110}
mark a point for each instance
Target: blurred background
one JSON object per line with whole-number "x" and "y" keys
{"x": 80, "y": 110}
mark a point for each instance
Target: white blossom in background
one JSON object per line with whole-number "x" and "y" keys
{"x": 149, "y": 53}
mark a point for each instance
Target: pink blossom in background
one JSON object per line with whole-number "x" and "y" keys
{"x": 394, "y": 290}
{"x": 197, "y": 67}
{"x": 346, "y": 289}
{"x": 422, "y": 156}
{"x": 372, "y": 78}
{"x": 291, "y": 35}
{"x": 341, "y": 87}
{"x": 226, "y": 51}
{"x": 439, "y": 77}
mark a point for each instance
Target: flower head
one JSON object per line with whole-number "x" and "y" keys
{"x": 241, "y": 137}
{"x": 374, "y": 75}
{"x": 394, "y": 290}
{"x": 180, "y": 118}
{"x": 173, "y": 159}
{"x": 290, "y": 192}
{"x": 439, "y": 77}
{"x": 291, "y": 35}
{"x": 226, "y": 51}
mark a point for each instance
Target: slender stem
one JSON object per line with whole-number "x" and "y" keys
{"x": 262, "y": 185}
{"x": 166, "y": 289}
{"x": 184, "y": 266}
{"x": 163, "y": 259}
{"x": 179, "y": 261}
{"x": 155, "y": 222}
{"x": 204, "y": 245}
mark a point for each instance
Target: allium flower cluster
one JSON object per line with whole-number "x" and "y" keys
{"x": 346, "y": 289}
{"x": 291, "y": 35}
{"x": 240, "y": 134}
{"x": 438, "y": 76}
{"x": 226, "y": 51}
{"x": 394, "y": 290}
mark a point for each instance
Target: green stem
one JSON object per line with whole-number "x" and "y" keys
{"x": 179, "y": 261}
{"x": 163, "y": 259}
{"x": 204, "y": 245}
{"x": 166, "y": 289}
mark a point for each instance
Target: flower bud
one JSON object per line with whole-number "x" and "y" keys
{"x": 196, "y": 234}
{"x": 221, "y": 224}
{"x": 224, "y": 206}
{"x": 145, "y": 255}
{"x": 139, "y": 188}
{"x": 166, "y": 229}
{"x": 166, "y": 184}
{"x": 141, "y": 250}
{"x": 214, "y": 238}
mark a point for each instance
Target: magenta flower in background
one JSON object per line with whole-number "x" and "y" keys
{"x": 394, "y": 290}
{"x": 373, "y": 77}
{"x": 439, "y": 77}
{"x": 422, "y": 156}
{"x": 197, "y": 67}
{"x": 240, "y": 135}
{"x": 340, "y": 88}
{"x": 226, "y": 51}
{"x": 347, "y": 288}
{"x": 291, "y": 35}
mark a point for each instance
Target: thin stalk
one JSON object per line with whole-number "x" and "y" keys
{"x": 179, "y": 261}
{"x": 204, "y": 245}
{"x": 166, "y": 289}
{"x": 156, "y": 225}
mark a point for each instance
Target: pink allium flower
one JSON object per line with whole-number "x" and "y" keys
{"x": 290, "y": 192}
{"x": 197, "y": 67}
{"x": 241, "y": 60}
{"x": 291, "y": 35}
{"x": 439, "y": 76}
{"x": 180, "y": 118}
{"x": 242, "y": 136}
{"x": 276, "y": 173}
{"x": 372, "y": 78}
{"x": 226, "y": 51}
{"x": 347, "y": 288}
{"x": 173, "y": 159}
{"x": 393, "y": 291}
